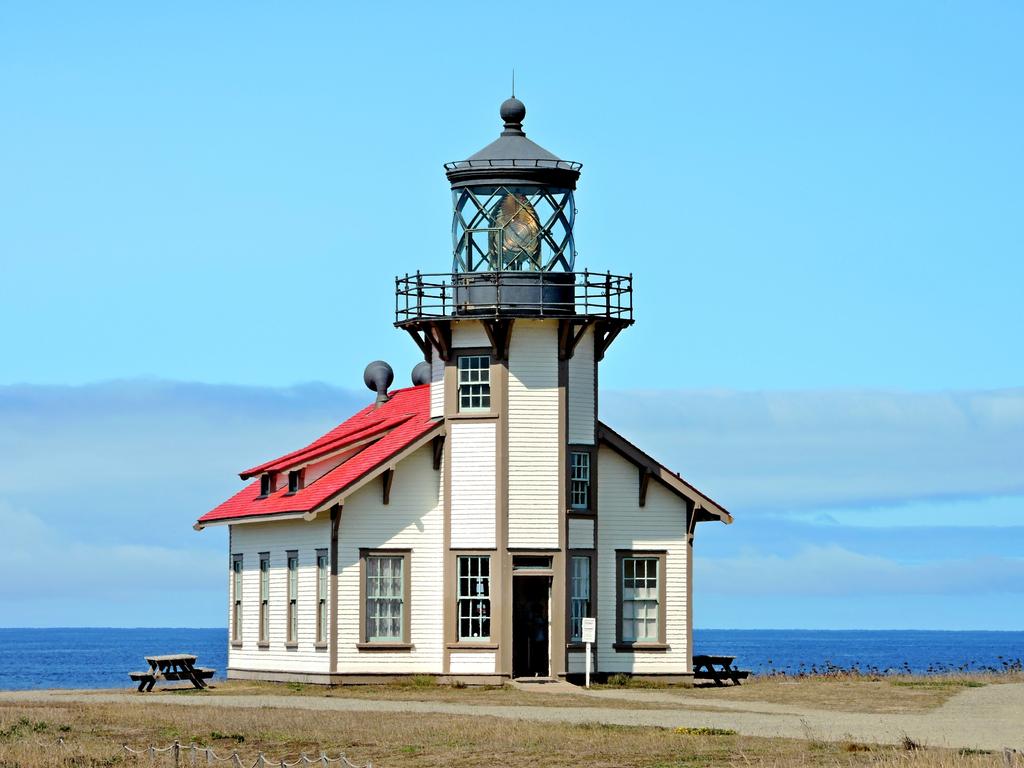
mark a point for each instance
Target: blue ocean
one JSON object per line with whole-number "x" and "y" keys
{"x": 102, "y": 658}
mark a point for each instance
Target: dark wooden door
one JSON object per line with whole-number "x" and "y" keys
{"x": 530, "y": 626}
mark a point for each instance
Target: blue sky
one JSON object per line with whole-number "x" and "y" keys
{"x": 204, "y": 208}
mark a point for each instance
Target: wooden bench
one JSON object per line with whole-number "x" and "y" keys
{"x": 144, "y": 679}
{"x": 718, "y": 668}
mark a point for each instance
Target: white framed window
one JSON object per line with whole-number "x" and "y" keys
{"x": 640, "y": 600}
{"x": 474, "y": 597}
{"x": 264, "y": 598}
{"x": 579, "y": 480}
{"x": 293, "y": 597}
{"x": 579, "y": 600}
{"x": 474, "y": 382}
{"x": 386, "y": 584}
{"x": 322, "y": 590}
{"x": 236, "y": 598}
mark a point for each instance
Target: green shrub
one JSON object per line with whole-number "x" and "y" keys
{"x": 618, "y": 680}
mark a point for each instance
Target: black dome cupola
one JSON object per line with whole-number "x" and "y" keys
{"x": 513, "y": 158}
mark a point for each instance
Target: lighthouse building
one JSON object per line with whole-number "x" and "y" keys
{"x": 464, "y": 526}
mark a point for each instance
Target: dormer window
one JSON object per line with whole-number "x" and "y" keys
{"x": 266, "y": 484}
{"x": 295, "y": 478}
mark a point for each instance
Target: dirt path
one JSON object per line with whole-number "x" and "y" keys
{"x": 982, "y": 718}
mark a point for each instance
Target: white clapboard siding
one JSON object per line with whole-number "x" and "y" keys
{"x": 436, "y": 386}
{"x": 533, "y": 435}
{"x": 580, "y": 393}
{"x": 469, "y": 333}
{"x": 473, "y": 484}
{"x": 623, "y": 524}
{"x": 278, "y": 538}
{"x": 475, "y": 663}
{"x": 581, "y": 533}
{"x": 413, "y": 520}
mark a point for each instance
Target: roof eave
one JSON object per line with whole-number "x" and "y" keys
{"x": 339, "y": 496}
{"x": 264, "y": 517}
{"x": 705, "y": 508}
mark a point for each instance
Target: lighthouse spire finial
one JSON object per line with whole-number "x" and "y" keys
{"x": 513, "y": 82}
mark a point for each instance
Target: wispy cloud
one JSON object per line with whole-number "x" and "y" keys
{"x": 42, "y": 561}
{"x": 837, "y": 571}
{"x": 812, "y": 450}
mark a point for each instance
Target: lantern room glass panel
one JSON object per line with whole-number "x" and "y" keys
{"x": 509, "y": 228}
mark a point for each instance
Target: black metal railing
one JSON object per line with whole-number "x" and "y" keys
{"x": 568, "y": 165}
{"x": 423, "y": 297}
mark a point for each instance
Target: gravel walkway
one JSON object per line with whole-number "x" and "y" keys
{"x": 981, "y": 718}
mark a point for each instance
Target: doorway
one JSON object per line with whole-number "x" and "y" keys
{"x": 530, "y": 626}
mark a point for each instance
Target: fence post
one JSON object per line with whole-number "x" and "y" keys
{"x": 260, "y": 760}
{"x": 152, "y": 754}
{"x": 176, "y": 750}
{"x": 192, "y": 757}
{"x": 323, "y": 759}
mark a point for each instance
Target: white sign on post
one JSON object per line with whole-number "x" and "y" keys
{"x": 589, "y": 630}
{"x": 589, "y": 633}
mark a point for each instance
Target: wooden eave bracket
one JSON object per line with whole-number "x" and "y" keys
{"x": 499, "y": 332}
{"x": 438, "y": 446}
{"x": 605, "y": 334}
{"x": 569, "y": 334}
{"x": 645, "y": 479}
{"x": 387, "y": 478}
{"x": 440, "y": 336}
{"x": 431, "y": 336}
{"x": 692, "y": 508}
{"x": 422, "y": 342}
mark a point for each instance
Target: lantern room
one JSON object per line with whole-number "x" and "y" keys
{"x": 513, "y": 206}
{"x": 513, "y": 249}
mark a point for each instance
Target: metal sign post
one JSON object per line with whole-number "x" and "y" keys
{"x": 589, "y": 632}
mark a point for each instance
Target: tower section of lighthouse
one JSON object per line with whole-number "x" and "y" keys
{"x": 513, "y": 334}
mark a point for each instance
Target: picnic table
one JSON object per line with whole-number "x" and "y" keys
{"x": 176, "y": 666}
{"x": 718, "y": 668}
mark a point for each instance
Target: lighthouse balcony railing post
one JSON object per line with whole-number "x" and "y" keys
{"x": 584, "y": 295}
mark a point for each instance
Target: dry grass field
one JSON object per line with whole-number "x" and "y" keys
{"x": 853, "y": 693}
{"x": 92, "y": 735}
{"x": 420, "y": 688}
{"x": 850, "y": 693}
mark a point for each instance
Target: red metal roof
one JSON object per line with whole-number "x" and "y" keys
{"x": 376, "y": 434}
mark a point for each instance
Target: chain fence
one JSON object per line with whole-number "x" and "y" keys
{"x": 193, "y": 755}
